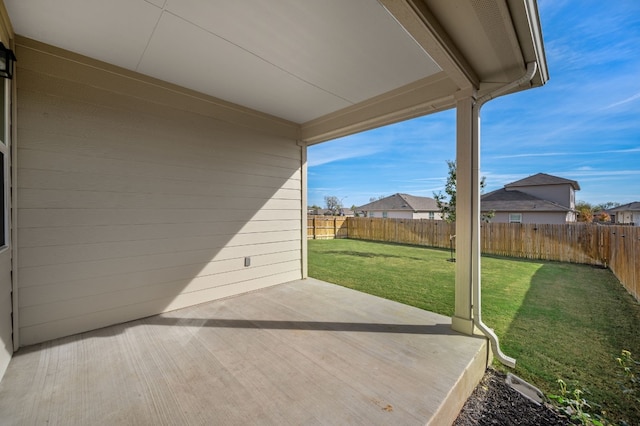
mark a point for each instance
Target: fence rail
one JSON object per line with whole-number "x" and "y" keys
{"x": 615, "y": 247}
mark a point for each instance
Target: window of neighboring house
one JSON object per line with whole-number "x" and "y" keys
{"x": 515, "y": 217}
{"x": 572, "y": 199}
{"x": 432, "y": 215}
{"x": 384, "y": 214}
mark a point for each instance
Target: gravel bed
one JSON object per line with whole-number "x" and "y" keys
{"x": 493, "y": 402}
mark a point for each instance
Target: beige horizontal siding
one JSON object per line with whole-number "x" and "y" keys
{"x": 126, "y": 312}
{"x": 37, "y": 237}
{"x": 61, "y": 272}
{"x": 69, "y": 163}
{"x": 6, "y": 346}
{"x": 77, "y": 306}
{"x": 130, "y": 204}
{"x": 59, "y": 291}
{"x": 94, "y": 76}
{"x": 72, "y": 253}
{"x": 36, "y": 218}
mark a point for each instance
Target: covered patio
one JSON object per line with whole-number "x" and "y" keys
{"x": 304, "y": 352}
{"x": 153, "y": 253}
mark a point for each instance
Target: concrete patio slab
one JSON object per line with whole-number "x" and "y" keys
{"x": 305, "y": 352}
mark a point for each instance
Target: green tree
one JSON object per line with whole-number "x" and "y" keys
{"x": 605, "y": 206}
{"x": 585, "y": 211}
{"x": 332, "y": 203}
{"x": 594, "y": 213}
{"x": 447, "y": 202}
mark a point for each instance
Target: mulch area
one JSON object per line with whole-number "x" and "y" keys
{"x": 493, "y": 402}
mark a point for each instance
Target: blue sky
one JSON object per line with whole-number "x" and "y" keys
{"x": 584, "y": 124}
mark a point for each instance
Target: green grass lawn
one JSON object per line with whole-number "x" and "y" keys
{"x": 559, "y": 320}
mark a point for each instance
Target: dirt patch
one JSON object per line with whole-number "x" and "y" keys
{"x": 493, "y": 402}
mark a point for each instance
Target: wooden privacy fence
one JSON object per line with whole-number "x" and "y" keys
{"x": 422, "y": 232}
{"x": 326, "y": 228}
{"x": 615, "y": 247}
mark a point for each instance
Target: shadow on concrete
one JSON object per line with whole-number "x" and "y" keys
{"x": 440, "y": 329}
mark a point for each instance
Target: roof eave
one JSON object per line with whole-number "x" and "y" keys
{"x": 438, "y": 92}
{"x": 526, "y": 20}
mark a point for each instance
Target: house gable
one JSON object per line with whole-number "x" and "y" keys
{"x": 540, "y": 198}
{"x": 627, "y": 213}
{"x": 402, "y": 206}
{"x": 631, "y": 207}
{"x": 552, "y": 188}
{"x": 543, "y": 179}
{"x": 518, "y": 201}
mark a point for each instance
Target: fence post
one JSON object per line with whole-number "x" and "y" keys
{"x": 315, "y": 226}
{"x": 397, "y": 220}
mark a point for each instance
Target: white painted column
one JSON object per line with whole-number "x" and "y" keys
{"x": 303, "y": 197}
{"x": 467, "y": 212}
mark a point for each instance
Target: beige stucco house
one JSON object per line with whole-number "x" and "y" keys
{"x": 627, "y": 214}
{"x": 540, "y": 198}
{"x": 402, "y": 206}
{"x": 154, "y": 152}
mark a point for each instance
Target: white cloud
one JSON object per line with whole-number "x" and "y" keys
{"x": 603, "y": 173}
{"x": 624, "y": 101}
{"x": 560, "y": 153}
{"x": 329, "y": 153}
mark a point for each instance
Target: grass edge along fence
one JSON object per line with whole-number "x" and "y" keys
{"x": 612, "y": 246}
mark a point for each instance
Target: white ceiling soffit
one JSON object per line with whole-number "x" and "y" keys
{"x": 484, "y": 33}
{"x": 298, "y": 60}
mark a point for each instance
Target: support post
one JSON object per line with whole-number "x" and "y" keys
{"x": 468, "y": 284}
{"x": 304, "y": 266}
{"x": 467, "y": 212}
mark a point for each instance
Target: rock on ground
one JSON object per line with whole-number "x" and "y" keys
{"x": 493, "y": 402}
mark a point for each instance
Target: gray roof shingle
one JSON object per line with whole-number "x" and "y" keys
{"x": 402, "y": 202}
{"x": 514, "y": 201}
{"x": 543, "y": 179}
{"x": 634, "y": 205}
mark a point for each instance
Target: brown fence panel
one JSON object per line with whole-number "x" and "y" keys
{"x": 635, "y": 264}
{"x": 576, "y": 243}
{"x": 311, "y": 229}
{"x": 372, "y": 229}
{"x": 625, "y": 256}
{"x": 341, "y": 225}
{"x": 327, "y": 228}
{"x": 424, "y": 232}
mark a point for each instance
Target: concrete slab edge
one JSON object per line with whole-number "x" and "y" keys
{"x": 450, "y": 407}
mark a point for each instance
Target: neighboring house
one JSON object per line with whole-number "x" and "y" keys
{"x": 318, "y": 212}
{"x": 628, "y": 214}
{"x": 403, "y": 206}
{"x": 540, "y": 198}
{"x": 148, "y": 149}
{"x": 346, "y": 213}
{"x": 327, "y": 212}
